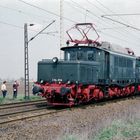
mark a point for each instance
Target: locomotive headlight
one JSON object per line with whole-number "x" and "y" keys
{"x": 55, "y": 60}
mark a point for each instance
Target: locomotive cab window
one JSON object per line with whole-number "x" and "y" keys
{"x": 70, "y": 55}
{"x": 91, "y": 56}
{"x": 81, "y": 55}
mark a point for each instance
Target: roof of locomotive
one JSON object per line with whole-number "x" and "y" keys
{"x": 105, "y": 46}
{"x": 116, "y": 48}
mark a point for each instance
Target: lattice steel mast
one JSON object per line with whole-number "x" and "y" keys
{"x": 61, "y": 24}
{"x": 26, "y": 55}
{"x": 26, "y": 61}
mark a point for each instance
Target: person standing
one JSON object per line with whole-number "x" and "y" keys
{"x": 4, "y": 89}
{"x": 15, "y": 89}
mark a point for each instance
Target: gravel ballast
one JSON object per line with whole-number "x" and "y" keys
{"x": 83, "y": 123}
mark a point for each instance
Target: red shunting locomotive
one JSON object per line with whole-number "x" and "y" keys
{"x": 90, "y": 71}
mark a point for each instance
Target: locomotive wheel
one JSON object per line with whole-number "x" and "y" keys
{"x": 98, "y": 94}
{"x": 69, "y": 97}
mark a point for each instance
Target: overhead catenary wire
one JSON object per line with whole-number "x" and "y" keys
{"x": 20, "y": 27}
{"x": 50, "y": 33}
{"x": 78, "y": 5}
{"x": 130, "y": 14}
{"x": 74, "y": 2}
{"x": 52, "y": 13}
{"x": 9, "y": 24}
{"x": 114, "y": 14}
{"x": 25, "y": 13}
{"x": 89, "y": 11}
{"x": 108, "y": 9}
{"x": 55, "y": 13}
{"x": 116, "y": 37}
{"x": 96, "y": 6}
{"x": 127, "y": 25}
{"x": 59, "y": 15}
{"x": 111, "y": 28}
{"x": 80, "y": 10}
{"x": 110, "y": 35}
{"x": 115, "y": 29}
{"x": 104, "y": 6}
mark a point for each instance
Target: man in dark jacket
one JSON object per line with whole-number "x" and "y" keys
{"x": 15, "y": 89}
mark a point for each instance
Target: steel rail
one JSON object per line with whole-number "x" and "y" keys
{"x": 6, "y": 104}
{"x": 22, "y": 105}
{"x": 30, "y": 116}
{"x": 19, "y": 112}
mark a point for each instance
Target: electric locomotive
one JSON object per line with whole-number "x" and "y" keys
{"x": 90, "y": 71}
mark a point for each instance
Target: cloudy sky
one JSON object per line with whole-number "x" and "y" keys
{"x": 14, "y": 13}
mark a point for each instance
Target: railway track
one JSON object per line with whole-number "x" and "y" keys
{"x": 38, "y": 112}
{"x": 20, "y": 104}
{"x": 29, "y": 116}
{"x": 13, "y": 110}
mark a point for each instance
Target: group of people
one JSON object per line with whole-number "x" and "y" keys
{"x": 4, "y": 89}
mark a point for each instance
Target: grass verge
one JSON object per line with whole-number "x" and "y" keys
{"x": 120, "y": 130}
{"x": 20, "y": 98}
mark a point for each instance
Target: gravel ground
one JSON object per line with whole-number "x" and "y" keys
{"x": 84, "y": 123}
